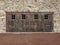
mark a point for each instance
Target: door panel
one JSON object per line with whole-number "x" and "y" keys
{"x": 48, "y": 23}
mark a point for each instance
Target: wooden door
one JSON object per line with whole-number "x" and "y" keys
{"x": 12, "y": 22}
{"x": 47, "y": 19}
{"x": 29, "y": 21}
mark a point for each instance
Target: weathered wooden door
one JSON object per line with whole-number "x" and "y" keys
{"x": 47, "y": 20}
{"x": 29, "y": 22}
{"x": 11, "y": 22}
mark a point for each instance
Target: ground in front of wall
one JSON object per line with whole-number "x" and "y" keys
{"x": 30, "y": 39}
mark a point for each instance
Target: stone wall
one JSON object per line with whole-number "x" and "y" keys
{"x": 2, "y": 21}
{"x": 32, "y": 6}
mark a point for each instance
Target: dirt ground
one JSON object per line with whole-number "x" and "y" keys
{"x": 30, "y": 39}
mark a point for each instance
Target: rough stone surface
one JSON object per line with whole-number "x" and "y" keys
{"x": 32, "y": 6}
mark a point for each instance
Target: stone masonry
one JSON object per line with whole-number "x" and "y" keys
{"x": 32, "y": 6}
